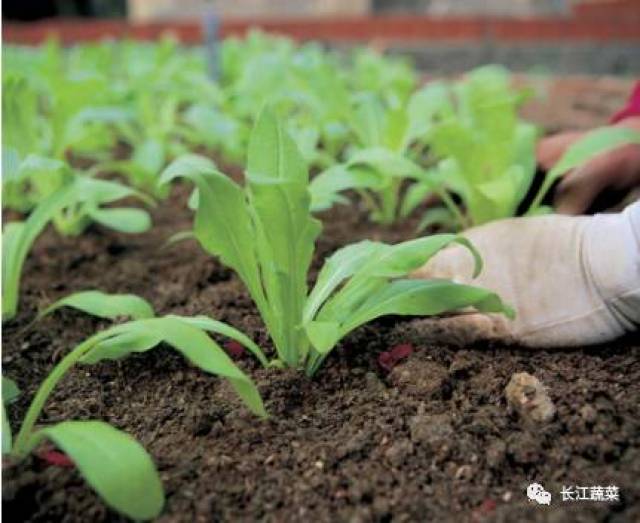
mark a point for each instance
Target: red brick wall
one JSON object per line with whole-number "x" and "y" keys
{"x": 581, "y": 27}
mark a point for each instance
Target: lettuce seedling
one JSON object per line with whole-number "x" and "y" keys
{"x": 266, "y": 233}
{"x": 393, "y": 78}
{"x": 113, "y": 463}
{"x": 72, "y": 207}
{"x": 391, "y": 139}
{"x": 485, "y": 154}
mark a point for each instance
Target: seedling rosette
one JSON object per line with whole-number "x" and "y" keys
{"x": 266, "y": 233}
{"x": 112, "y": 462}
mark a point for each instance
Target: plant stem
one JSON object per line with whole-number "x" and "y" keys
{"x": 314, "y": 362}
{"x": 21, "y": 447}
{"x": 389, "y": 203}
{"x": 544, "y": 188}
{"x": 451, "y": 205}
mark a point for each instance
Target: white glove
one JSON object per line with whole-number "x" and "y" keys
{"x": 573, "y": 281}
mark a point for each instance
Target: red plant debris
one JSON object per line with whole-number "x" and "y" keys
{"x": 56, "y": 458}
{"x": 487, "y": 508}
{"x": 389, "y": 359}
{"x": 234, "y": 349}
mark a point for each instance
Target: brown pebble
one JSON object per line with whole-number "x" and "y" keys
{"x": 529, "y": 398}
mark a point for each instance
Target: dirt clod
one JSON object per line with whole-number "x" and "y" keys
{"x": 419, "y": 378}
{"x": 529, "y": 398}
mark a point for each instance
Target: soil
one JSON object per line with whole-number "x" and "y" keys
{"x": 432, "y": 440}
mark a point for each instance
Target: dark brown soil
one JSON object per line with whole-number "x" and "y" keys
{"x": 433, "y": 440}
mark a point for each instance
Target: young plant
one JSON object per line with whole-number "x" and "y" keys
{"x": 393, "y": 78}
{"x": 112, "y": 463}
{"x": 390, "y": 156}
{"x": 71, "y": 207}
{"x": 485, "y": 154}
{"x": 266, "y": 233}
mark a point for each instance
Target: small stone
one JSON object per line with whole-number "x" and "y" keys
{"x": 529, "y": 398}
{"x": 464, "y": 473}
{"x": 423, "y": 379}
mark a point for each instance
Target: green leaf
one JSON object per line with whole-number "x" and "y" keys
{"x": 540, "y": 211}
{"x": 10, "y": 164}
{"x": 97, "y": 191}
{"x": 499, "y": 197}
{"x": 108, "y": 115}
{"x": 104, "y": 305}
{"x": 368, "y": 121}
{"x": 423, "y": 298}
{"x": 179, "y": 237}
{"x": 386, "y": 162}
{"x": 186, "y": 338}
{"x": 7, "y": 438}
{"x": 285, "y": 230}
{"x": 121, "y": 345}
{"x": 437, "y": 216}
{"x": 211, "y": 325}
{"x": 10, "y": 392}
{"x": 324, "y": 188}
{"x": 123, "y": 219}
{"x": 398, "y": 260}
{"x": 202, "y": 351}
{"x": 222, "y": 222}
{"x": 20, "y": 115}
{"x": 112, "y": 462}
{"x": 426, "y": 105}
{"x": 17, "y": 239}
{"x": 416, "y": 194}
{"x": 323, "y": 335}
{"x": 592, "y": 144}
{"x": 150, "y": 155}
{"x": 77, "y": 190}
{"x": 342, "y": 264}
{"x": 386, "y": 262}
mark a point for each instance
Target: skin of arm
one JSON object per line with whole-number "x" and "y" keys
{"x": 618, "y": 170}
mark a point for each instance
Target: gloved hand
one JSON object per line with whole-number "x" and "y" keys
{"x": 573, "y": 281}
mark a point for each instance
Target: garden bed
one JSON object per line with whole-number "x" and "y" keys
{"x": 432, "y": 440}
